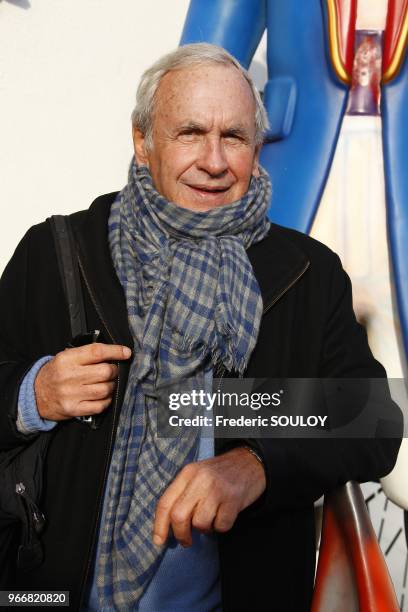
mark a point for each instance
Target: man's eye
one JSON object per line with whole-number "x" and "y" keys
{"x": 188, "y": 135}
{"x": 232, "y": 138}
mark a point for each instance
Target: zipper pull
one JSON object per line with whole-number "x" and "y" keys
{"x": 20, "y": 488}
{"x": 36, "y": 514}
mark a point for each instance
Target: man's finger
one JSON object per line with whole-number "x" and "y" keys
{"x": 98, "y": 372}
{"x": 226, "y": 515}
{"x": 181, "y": 517}
{"x": 98, "y": 391}
{"x": 99, "y": 353}
{"x": 164, "y": 507}
{"x": 89, "y": 407}
{"x": 204, "y": 515}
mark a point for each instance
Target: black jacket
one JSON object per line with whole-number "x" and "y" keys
{"x": 308, "y": 329}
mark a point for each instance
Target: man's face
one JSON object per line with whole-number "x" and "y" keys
{"x": 204, "y": 150}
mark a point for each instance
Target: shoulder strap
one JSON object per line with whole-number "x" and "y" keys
{"x": 68, "y": 265}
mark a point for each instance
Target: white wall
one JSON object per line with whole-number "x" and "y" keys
{"x": 68, "y": 76}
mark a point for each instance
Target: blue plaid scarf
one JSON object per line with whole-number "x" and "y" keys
{"x": 192, "y": 301}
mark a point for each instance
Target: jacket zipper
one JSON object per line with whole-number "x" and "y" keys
{"x": 222, "y": 370}
{"x": 282, "y": 293}
{"x": 111, "y": 439}
{"x": 37, "y": 518}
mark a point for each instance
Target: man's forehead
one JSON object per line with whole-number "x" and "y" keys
{"x": 204, "y": 70}
{"x": 195, "y": 93}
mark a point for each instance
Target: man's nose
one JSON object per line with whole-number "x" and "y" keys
{"x": 212, "y": 158}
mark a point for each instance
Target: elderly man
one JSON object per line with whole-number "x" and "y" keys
{"x": 182, "y": 268}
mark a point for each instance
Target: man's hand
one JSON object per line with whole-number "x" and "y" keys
{"x": 209, "y": 495}
{"x": 78, "y": 381}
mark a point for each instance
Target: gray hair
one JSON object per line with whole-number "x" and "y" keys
{"x": 184, "y": 57}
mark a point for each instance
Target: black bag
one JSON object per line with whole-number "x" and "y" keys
{"x": 21, "y": 521}
{"x": 22, "y": 468}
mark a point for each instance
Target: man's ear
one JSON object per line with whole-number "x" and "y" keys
{"x": 140, "y": 147}
{"x": 255, "y": 166}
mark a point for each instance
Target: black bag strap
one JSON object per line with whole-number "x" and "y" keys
{"x": 65, "y": 248}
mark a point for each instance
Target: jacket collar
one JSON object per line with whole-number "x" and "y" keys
{"x": 277, "y": 263}
{"x": 98, "y": 271}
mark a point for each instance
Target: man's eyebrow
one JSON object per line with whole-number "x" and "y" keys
{"x": 193, "y": 126}
{"x": 236, "y": 130}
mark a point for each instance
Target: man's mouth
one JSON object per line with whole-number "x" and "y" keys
{"x": 208, "y": 191}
